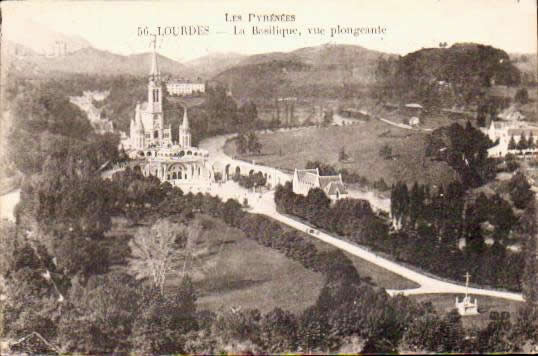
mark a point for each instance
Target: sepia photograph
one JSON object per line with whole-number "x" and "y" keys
{"x": 222, "y": 177}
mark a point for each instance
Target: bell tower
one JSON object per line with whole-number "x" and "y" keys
{"x": 155, "y": 99}
{"x": 155, "y": 90}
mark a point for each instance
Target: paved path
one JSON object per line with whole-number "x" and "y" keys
{"x": 264, "y": 204}
{"x": 403, "y": 126}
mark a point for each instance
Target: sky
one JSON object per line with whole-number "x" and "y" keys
{"x": 409, "y": 25}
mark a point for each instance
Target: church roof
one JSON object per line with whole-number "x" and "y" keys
{"x": 308, "y": 176}
{"x": 519, "y": 132}
{"x": 511, "y": 114}
{"x": 333, "y": 187}
{"x": 497, "y": 125}
{"x": 325, "y": 181}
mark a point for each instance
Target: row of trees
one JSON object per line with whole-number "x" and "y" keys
{"x": 253, "y": 180}
{"x": 345, "y": 217}
{"x": 523, "y": 143}
{"x": 449, "y": 216}
{"x": 429, "y": 228}
{"x": 248, "y": 142}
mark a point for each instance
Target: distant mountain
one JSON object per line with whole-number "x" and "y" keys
{"x": 42, "y": 39}
{"x": 214, "y": 63}
{"x": 307, "y": 71}
{"x": 93, "y": 61}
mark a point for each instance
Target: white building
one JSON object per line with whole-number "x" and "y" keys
{"x": 149, "y": 141}
{"x": 185, "y": 88}
{"x": 306, "y": 179}
{"x": 511, "y": 114}
{"x": 504, "y": 131}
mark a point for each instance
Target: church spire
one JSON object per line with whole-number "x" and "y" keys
{"x": 184, "y": 131}
{"x": 154, "y": 73}
{"x": 185, "y": 124}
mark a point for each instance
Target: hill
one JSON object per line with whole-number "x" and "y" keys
{"x": 90, "y": 60}
{"x": 214, "y": 63}
{"x": 441, "y": 77}
{"x": 312, "y": 71}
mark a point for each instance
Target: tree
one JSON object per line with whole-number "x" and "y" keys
{"x": 279, "y": 331}
{"x": 162, "y": 323}
{"x": 520, "y": 191}
{"x": 385, "y": 152}
{"x": 253, "y": 143}
{"x": 494, "y": 338}
{"x": 100, "y": 314}
{"x": 522, "y": 144}
{"x": 522, "y": 96}
{"x": 423, "y": 334}
{"x": 481, "y": 118}
{"x": 529, "y": 281}
{"x": 511, "y": 162}
{"x": 530, "y": 142}
{"x": 512, "y": 143}
{"x": 154, "y": 251}
{"x": 238, "y": 325}
{"x": 231, "y": 212}
{"x": 316, "y": 204}
{"x": 313, "y": 330}
{"x": 327, "y": 118}
{"x": 241, "y": 144}
{"x": 342, "y": 155}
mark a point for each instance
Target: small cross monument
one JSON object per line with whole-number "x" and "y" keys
{"x": 467, "y": 306}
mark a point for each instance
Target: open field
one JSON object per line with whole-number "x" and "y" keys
{"x": 362, "y": 142}
{"x": 445, "y": 302}
{"x": 230, "y": 270}
{"x": 249, "y": 275}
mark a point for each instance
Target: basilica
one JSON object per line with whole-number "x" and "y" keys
{"x": 150, "y": 141}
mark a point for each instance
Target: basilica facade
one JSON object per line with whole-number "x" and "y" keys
{"x": 150, "y": 141}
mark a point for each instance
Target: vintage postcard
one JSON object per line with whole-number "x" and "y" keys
{"x": 282, "y": 177}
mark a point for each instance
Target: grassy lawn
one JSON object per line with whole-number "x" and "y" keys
{"x": 362, "y": 142}
{"x": 445, "y": 302}
{"x": 230, "y": 270}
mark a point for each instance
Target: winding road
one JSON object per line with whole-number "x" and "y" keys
{"x": 264, "y": 204}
